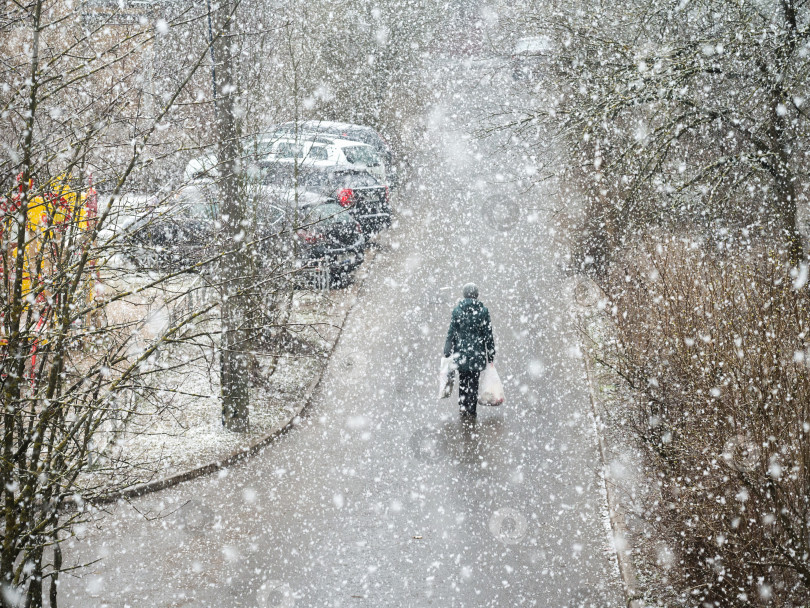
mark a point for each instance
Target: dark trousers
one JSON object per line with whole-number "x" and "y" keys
{"x": 468, "y": 390}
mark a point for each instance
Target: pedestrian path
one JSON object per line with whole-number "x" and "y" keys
{"x": 382, "y": 496}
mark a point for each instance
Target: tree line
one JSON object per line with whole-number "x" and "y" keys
{"x": 683, "y": 133}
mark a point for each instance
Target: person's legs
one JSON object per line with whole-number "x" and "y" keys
{"x": 468, "y": 391}
{"x": 463, "y": 390}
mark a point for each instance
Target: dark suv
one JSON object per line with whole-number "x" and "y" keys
{"x": 328, "y": 238}
{"x": 184, "y": 229}
{"x": 359, "y": 191}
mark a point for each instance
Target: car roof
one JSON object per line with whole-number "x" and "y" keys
{"x": 338, "y": 126}
{"x": 342, "y": 129}
{"x": 314, "y": 137}
{"x": 305, "y": 138}
{"x": 340, "y": 142}
{"x": 321, "y": 166}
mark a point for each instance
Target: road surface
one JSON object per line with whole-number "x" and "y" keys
{"x": 381, "y": 496}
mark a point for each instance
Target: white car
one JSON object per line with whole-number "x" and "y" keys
{"x": 342, "y": 130}
{"x": 323, "y": 151}
{"x": 307, "y": 149}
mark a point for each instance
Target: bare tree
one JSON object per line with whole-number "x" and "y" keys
{"x": 691, "y": 113}
{"x": 77, "y": 127}
{"x": 233, "y": 347}
{"x": 718, "y": 402}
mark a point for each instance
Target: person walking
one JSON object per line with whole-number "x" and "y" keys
{"x": 471, "y": 344}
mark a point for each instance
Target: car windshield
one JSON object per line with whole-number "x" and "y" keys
{"x": 362, "y": 155}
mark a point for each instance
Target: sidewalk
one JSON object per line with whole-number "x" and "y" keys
{"x": 622, "y": 466}
{"x": 179, "y": 436}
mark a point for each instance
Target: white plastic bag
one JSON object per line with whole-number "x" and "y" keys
{"x": 490, "y": 389}
{"x": 447, "y": 375}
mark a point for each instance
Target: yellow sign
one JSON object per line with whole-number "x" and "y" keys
{"x": 57, "y": 231}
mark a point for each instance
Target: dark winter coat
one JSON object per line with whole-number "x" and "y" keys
{"x": 470, "y": 336}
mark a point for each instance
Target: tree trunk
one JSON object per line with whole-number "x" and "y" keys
{"x": 780, "y": 141}
{"x": 234, "y": 368}
{"x": 13, "y": 367}
{"x": 34, "y": 596}
{"x": 785, "y": 183}
{"x": 57, "y": 568}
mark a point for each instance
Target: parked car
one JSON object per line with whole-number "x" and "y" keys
{"x": 183, "y": 228}
{"x": 529, "y": 57}
{"x": 347, "y": 131}
{"x": 330, "y": 238}
{"x": 255, "y": 148}
{"x": 358, "y": 191}
{"x": 305, "y": 149}
{"x": 323, "y": 151}
{"x": 172, "y": 230}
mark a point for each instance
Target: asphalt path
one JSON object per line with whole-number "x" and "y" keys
{"x": 382, "y": 495}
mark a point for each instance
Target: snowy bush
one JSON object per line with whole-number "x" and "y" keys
{"x": 713, "y": 347}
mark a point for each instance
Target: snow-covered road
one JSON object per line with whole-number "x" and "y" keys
{"x": 382, "y": 496}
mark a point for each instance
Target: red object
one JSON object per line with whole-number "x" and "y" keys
{"x": 92, "y": 199}
{"x": 309, "y": 237}
{"x": 346, "y": 197}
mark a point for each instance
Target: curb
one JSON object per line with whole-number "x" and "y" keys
{"x": 617, "y": 522}
{"x": 253, "y": 448}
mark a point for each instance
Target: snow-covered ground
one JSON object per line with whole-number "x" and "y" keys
{"x": 178, "y": 426}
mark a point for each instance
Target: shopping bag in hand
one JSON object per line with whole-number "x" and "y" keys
{"x": 490, "y": 389}
{"x": 447, "y": 375}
